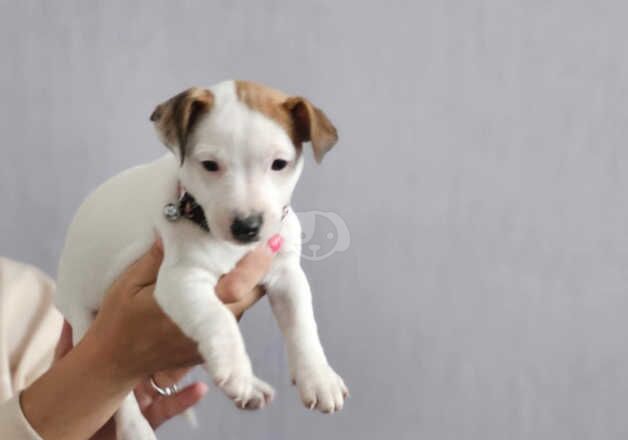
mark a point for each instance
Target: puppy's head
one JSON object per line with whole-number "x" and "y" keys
{"x": 239, "y": 145}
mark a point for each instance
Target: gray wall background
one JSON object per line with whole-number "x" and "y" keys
{"x": 482, "y": 172}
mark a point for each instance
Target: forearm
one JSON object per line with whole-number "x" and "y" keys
{"x": 77, "y": 395}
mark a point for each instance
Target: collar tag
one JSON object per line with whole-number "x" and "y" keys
{"x": 172, "y": 212}
{"x": 185, "y": 207}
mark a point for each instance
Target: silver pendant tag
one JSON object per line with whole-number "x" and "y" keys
{"x": 171, "y": 212}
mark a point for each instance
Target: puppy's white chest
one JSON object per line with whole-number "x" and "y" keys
{"x": 186, "y": 243}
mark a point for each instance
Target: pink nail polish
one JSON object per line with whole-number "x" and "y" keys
{"x": 275, "y": 242}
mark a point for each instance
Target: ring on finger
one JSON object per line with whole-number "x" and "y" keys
{"x": 164, "y": 391}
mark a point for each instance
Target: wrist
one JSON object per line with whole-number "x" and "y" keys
{"x": 104, "y": 358}
{"x": 84, "y": 387}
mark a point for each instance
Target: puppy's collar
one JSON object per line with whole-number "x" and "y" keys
{"x": 187, "y": 207}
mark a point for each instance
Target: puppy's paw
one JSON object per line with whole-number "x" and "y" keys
{"x": 246, "y": 390}
{"x": 230, "y": 368}
{"x": 233, "y": 375}
{"x": 321, "y": 388}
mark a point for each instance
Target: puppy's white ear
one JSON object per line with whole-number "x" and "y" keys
{"x": 311, "y": 125}
{"x": 175, "y": 118}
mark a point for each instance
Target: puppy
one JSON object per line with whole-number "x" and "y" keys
{"x": 237, "y": 153}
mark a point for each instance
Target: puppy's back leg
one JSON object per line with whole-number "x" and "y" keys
{"x": 130, "y": 422}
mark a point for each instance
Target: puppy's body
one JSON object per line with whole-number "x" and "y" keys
{"x": 120, "y": 220}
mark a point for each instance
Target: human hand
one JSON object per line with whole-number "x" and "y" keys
{"x": 132, "y": 294}
{"x": 139, "y": 338}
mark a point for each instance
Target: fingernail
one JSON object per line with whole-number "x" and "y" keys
{"x": 203, "y": 388}
{"x": 275, "y": 242}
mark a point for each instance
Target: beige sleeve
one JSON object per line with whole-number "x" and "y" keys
{"x": 29, "y": 329}
{"x": 13, "y": 424}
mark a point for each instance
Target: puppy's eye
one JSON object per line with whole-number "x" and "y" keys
{"x": 210, "y": 165}
{"x": 279, "y": 164}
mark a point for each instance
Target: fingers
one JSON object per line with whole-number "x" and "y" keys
{"x": 144, "y": 271}
{"x": 167, "y": 407}
{"x": 65, "y": 341}
{"x": 238, "y": 308}
{"x": 233, "y": 286}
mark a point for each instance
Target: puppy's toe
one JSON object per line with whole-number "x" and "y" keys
{"x": 339, "y": 399}
{"x": 343, "y": 388}
{"x": 267, "y": 392}
{"x": 322, "y": 389}
{"x": 248, "y": 392}
{"x": 326, "y": 402}
{"x": 260, "y": 395}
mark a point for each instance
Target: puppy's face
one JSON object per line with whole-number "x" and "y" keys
{"x": 239, "y": 145}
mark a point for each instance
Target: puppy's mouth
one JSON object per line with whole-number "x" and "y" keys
{"x": 250, "y": 229}
{"x": 247, "y": 240}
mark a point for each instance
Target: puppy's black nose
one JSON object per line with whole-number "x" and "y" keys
{"x": 246, "y": 229}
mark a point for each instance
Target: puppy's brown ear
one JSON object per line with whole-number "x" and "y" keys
{"x": 312, "y": 125}
{"x": 175, "y": 118}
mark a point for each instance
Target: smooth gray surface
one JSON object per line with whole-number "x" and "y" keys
{"x": 482, "y": 172}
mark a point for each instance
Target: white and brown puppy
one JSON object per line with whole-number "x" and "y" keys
{"x": 237, "y": 149}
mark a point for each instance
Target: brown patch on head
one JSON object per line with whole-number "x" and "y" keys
{"x": 312, "y": 125}
{"x": 267, "y": 101}
{"x": 175, "y": 118}
{"x": 296, "y": 115}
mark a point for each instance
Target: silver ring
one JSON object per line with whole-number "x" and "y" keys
{"x": 165, "y": 391}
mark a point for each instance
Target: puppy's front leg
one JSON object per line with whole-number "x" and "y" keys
{"x": 291, "y": 299}
{"x": 187, "y": 296}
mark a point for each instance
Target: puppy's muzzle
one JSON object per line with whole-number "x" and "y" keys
{"x": 246, "y": 229}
